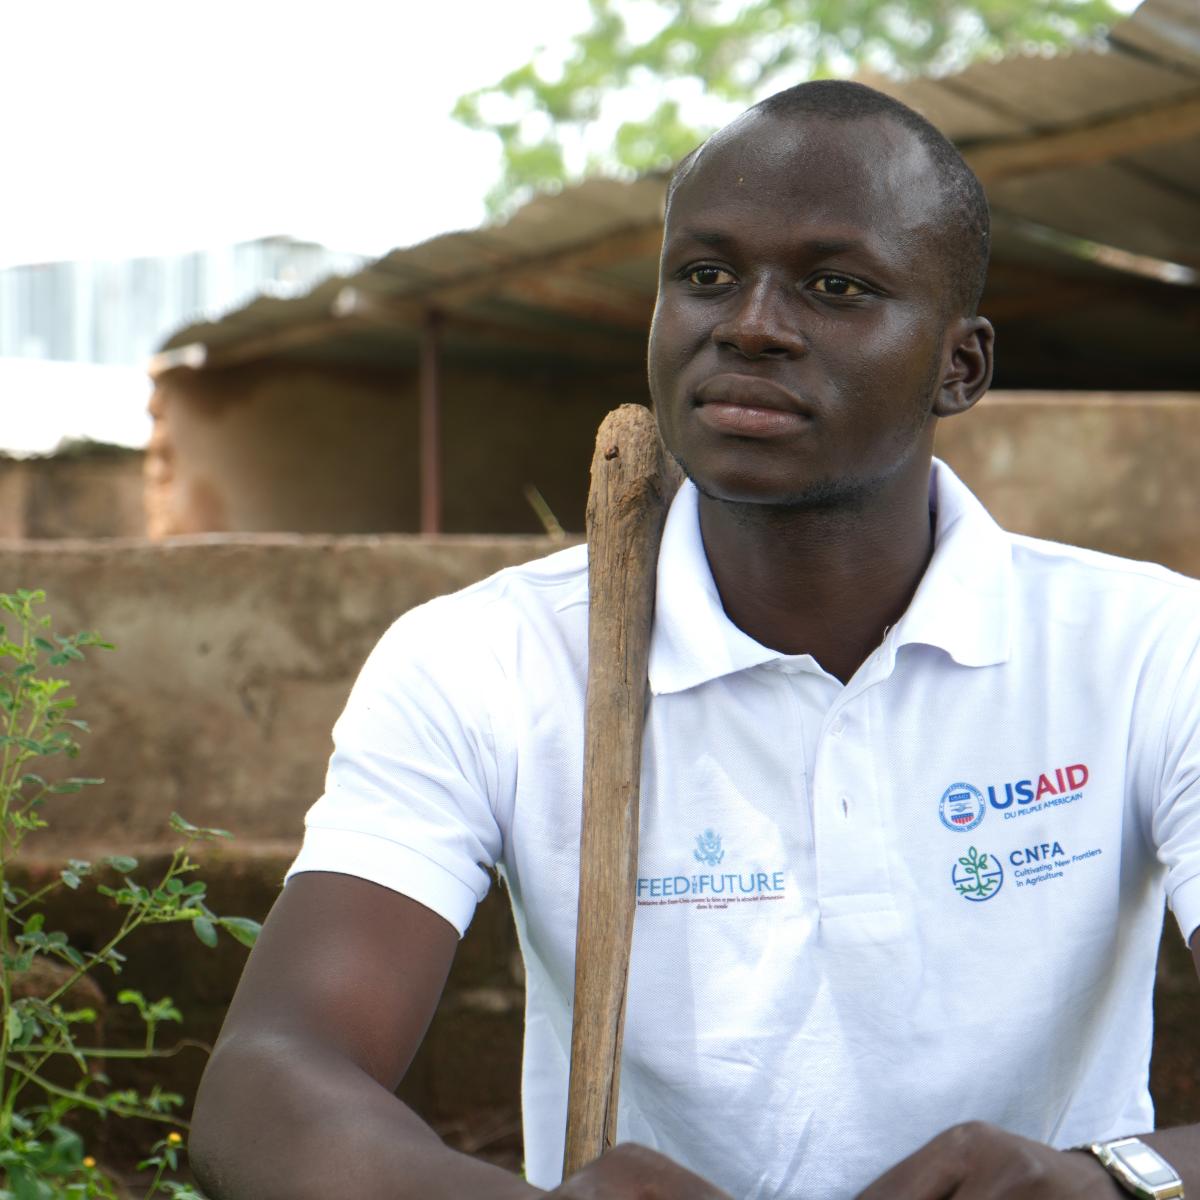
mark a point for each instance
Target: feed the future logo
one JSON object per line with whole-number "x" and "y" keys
{"x": 711, "y": 889}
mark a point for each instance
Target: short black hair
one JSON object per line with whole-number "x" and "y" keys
{"x": 966, "y": 231}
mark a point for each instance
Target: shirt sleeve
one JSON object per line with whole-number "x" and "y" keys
{"x": 1175, "y": 823}
{"x": 408, "y": 800}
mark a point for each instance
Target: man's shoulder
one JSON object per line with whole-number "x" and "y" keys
{"x": 552, "y": 582}
{"x": 1119, "y": 599}
{"x": 1040, "y": 559}
{"x": 532, "y": 593}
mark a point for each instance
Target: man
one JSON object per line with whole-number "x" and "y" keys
{"x": 913, "y": 789}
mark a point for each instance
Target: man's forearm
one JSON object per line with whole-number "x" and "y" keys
{"x": 284, "y": 1121}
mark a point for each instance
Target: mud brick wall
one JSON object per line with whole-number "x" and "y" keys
{"x": 96, "y": 491}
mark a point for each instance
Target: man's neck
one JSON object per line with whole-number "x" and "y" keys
{"x": 827, "y": 582}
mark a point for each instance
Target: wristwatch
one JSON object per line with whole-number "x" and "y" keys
{"x": 1138, "y": 1169}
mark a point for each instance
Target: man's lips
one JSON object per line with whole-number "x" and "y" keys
{"x": 749, "y": 406}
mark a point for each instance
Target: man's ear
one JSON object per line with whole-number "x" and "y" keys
{"x": 969, "y": 366}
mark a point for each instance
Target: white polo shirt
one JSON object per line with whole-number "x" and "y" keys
{"x": 865, "y": 912}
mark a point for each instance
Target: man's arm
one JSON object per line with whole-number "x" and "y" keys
{"x": 987, "y": 1163}
{"x": 297, "y": 1100}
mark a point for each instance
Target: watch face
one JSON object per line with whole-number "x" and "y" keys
{"x": 1144, "y": 1163}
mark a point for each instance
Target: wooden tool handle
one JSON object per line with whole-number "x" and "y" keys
{"x": 633, "y": 481}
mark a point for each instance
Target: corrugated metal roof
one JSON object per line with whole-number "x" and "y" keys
{"x": 1145, "y": 199}
{"x": 1117, "y": 126}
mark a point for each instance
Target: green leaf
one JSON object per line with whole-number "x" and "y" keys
{"x": 14, "y": 1025}
{"x": 243, "y": 929}
{"x": 205, "y": 930}
{"x": 165, "y": 1010}
{"x": 181, "y": 825}
{"x": 75, "y": 871}
{"x": 122, "y": 863}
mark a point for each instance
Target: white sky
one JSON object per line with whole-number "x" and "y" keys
{"x": 133, "y": 127}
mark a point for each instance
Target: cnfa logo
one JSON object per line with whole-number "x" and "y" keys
{"x": 708, "y": 849}
{"x": 977, "y": 875}
{"x": 962, "y": 807}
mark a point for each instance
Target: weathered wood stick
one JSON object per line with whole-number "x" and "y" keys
{"x": 633, "y": 481}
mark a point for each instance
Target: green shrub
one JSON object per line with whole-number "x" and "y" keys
{"x": 44, "y": 980}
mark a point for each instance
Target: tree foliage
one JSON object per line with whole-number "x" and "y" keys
{"x": 624, "y": 98}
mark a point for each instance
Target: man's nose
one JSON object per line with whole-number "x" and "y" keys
{"x": 761, "y": 325}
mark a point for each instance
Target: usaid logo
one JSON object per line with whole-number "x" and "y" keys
{"x": 1048, "y": 786}
{"x": 962, "y": 807}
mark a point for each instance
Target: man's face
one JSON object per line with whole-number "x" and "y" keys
{"x": 797, "y": 343}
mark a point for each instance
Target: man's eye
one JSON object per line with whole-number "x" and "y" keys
{"x": 709, "y": 276}
{"x": 838, "y": 285}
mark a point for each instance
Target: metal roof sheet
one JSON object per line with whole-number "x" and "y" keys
{"x": 579, "y": 265}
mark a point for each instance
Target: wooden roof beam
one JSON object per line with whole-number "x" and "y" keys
{"x": 1096, "y": 142}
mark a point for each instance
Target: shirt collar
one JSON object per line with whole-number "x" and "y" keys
{"x": 961, "y": 605}
{"x": 963, "y": 602}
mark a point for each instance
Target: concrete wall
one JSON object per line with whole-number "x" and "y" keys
{"x": 234, "y": 657}
{"x": 318, "y": 450}
{"x": 91, "y": 493}
{"x": 1119, "y": 472}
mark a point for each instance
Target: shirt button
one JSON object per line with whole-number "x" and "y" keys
{"x": 838, "y": 727}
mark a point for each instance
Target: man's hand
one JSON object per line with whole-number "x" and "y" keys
{"x": 977, "y": 1161}
{"x": 630, "y": 1172}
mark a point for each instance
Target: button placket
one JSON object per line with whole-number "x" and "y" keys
{"x": 853, "y": 874}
